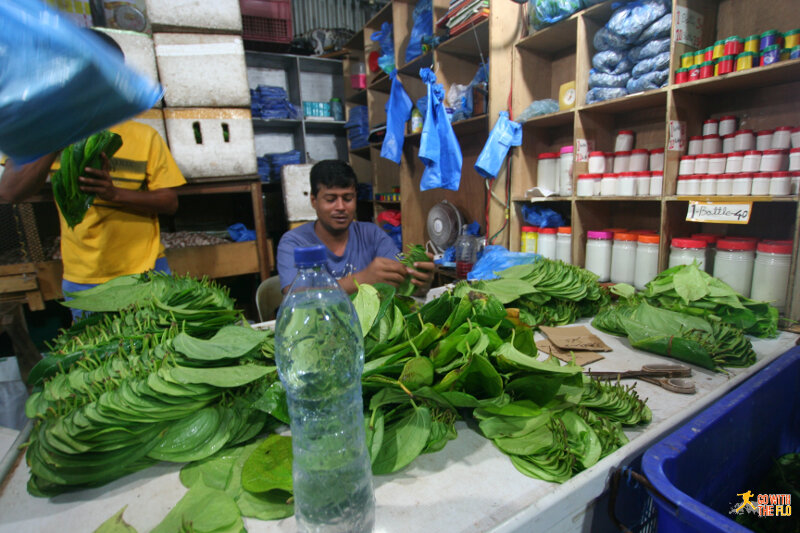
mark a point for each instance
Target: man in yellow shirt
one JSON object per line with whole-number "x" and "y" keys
{"x": 120, "y": 233}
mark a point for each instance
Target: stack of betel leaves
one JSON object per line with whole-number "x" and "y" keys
{"x": 164, "y": 371}
{"x": 71, "y": 200}
{"x": 416, "y": 253}
{"x": 547, "y": 292}
{"x": 687, "y": 289}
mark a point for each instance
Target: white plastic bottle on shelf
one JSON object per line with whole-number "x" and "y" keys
{"x": 685, "y": 251}
{"x": 565, "y": 159}
{"x": 547, "y": 242}
{"x": 646, "y": 260}
{"x": 319, "y": 352}
{"x": 623, "y": 258}
{"x": 771, "y": 273}
{"x": 564, "y": 244}
{"x": 547, "y": 171}
{"x": 733, "y": 264}
{"x": 598, "y": 253}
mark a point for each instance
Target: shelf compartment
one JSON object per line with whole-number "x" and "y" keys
{"x": 324, "y": 126}
{"x": 465, "y": 45}
{"x": 539, "y": 135}
{"x": 276, "y": 124}
{"x": 553, "y": 38}
{"x": 550, "y": 120}
{"x": 358, "y": 98}
{"x": 631, "y": 102}
{"x": 563, "y": 206}
{"x": 381, "y": 82}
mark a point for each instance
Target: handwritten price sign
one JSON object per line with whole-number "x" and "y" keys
{"x": 719, "y": 213}
{"x": 688, "y": 27}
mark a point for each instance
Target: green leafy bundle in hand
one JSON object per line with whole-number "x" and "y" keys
{"x": 416, "y": 253}
{"x": 71, "y": 200}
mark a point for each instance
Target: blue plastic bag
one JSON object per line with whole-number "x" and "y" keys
{"x": 601, "y": 94}
{"x": 611, "y": 62}
{"x": 504, "y": 135}
{"x": 59, "y": 83}
{"x": 601, "y": 79}
{"x": 648, "y": 49}
{"x": 496, "y": 259}
{"x": 423, "y": 27}
{"x": 398, "y": 111}
{"x": 629, "y": 21}
{"x": 651, "y": 80}
{"x": 386, "y": 41}
{"x": 657, "y": 30}
{"x": 546, "y": 12}
{"x": 659, "y": 62}
{"x": 438, "y": 147}
{"x": 544, "y": 217}
{"x": 240, "y": 233}
{"x": 605, "y": 40}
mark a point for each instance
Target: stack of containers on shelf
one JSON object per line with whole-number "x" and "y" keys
{"x": 728, "y": 161}
{"x": 627, "y": 171}
{"x": 622, "y": 256}
{"x": 200, "y": 57}
{"x": 554, "y": 171}
{"x": 552, "y": 243}
{"x": 632, "y": 51}
{"x": 735, "y": 54}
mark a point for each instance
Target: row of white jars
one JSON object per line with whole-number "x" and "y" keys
{"x": 636, "y": 160}
{"x": 621, "y": 184}
{"x": 552, "y": 243}
{"x": 735, "y": 162}
{"x": 742, "y": 184}
{"x": 781, "y": 138}
{"x": 622, "y": 257}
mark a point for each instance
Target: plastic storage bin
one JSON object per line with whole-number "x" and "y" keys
{"x": 700, "y": 468}
{"x": 267, "y": 20}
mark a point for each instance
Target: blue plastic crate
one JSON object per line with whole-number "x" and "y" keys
{"x": 726, "y": 450}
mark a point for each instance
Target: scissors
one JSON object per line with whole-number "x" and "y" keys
{"x": 668, "y": 377}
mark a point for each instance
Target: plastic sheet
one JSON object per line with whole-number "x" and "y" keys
{"x": 544, "y": 217}
{"x": 60, "y": 83}
{"x": 657, "y": 30}
{"x": 650, "y": 49}
{"x": 632, "y": 19}
{"x": 605, "y": 40}
{"x": 240, "y": 233}
{"x": 546, "y": 12}
{"x": 495, "y": 259}
{"x": 439, "y": 150}
{"x": 651, "y": 80}
{"x": 611, "y": 62}
{"x": 659, "y": 62}
{"x": 601, "y": 79}
{"x": 503, "y": 136}
{"x": 423, "y": 25}
{"x": 398, "y": 111}
{"x": 385, "y": 39}
{"x": 536, "y": 108}
{"x": 600, "y": 94}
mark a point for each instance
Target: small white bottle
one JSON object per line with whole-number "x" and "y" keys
{"x": 685, "y": 251}
{"x": 623, "y": 258}
{"x": 598, "y": 253}
{"x": 771, "y": 273}
{"x": 547, "y": 242}
{"x": 565, "y": 171}
{"x": 646, "y": 260}
{"x": 733, "y": 264}
{"x": 564, "y": 244}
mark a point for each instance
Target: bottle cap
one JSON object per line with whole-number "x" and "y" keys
{"x": 649, "y": 239}
{"x": 774, "y": 247}
{"x": 565, "y": 230}
{"x": 548, "y": 231}
{"x": 600, "y": 235}
{"x": 710, "y": 238}
{"x": 548, "y": 155}
{"x": 688, "y": 243}
{"x": 625, "y": 236}
{"x": 736, "y": 244}
{"x": 310, "y": 256}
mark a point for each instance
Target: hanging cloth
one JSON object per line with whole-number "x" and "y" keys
{"x": 504, "y": 135}
{"x": 398, "y": 111}
{"x": 439, "y": 150}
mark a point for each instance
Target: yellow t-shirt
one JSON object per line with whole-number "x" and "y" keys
{"x": 111, "y": 242}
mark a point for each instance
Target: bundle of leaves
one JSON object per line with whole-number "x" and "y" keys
{"x": 547, "y": 292}
{"x": 71, "y": 200}
{"x": 708, "y": 343}
{"x": 687, "y": 289}
{"x": 416, "y": 253}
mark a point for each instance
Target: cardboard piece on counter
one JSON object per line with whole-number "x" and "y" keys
{"x": 575, "y": 338}
{"x": 581, "y": 357}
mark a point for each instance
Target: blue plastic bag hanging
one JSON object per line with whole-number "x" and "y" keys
{"x": 385, "y": 39}
{"x": 504, "y": 135}
{"x": 423, "y": 27}
{"x": 438, "y": 147}
{"x": 398, "y": 111}
{"x": 60, "y": 83}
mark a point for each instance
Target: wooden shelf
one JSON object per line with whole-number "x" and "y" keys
{"x": 412, "y": 67}
{"x": 471, "y": 125}
{"x": 775, "y": 74}
{"x": 381, "y": 83}
{"x": 559, "y": 118}
{"x": 361, "y": 152}
{"x": 731, "y": 199}
{"x": 618, "y": 199}
{"x": 632, "y": 102}
{"x": 324, "y": 126}
{"x": 280, "y": 124}
{"x": 553, "y": 38}
{"x": 359, "y": 98}
{"x": 467, "y": 45}
{"x": 538, "y": 199}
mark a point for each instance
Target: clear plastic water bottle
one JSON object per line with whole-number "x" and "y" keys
{"x": 320, "y": 356}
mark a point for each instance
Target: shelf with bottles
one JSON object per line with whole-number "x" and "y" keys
{"x": 562, "y": 206}
{"x": 539, "y": 139}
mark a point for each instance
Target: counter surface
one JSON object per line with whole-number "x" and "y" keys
{"x": 467, "y": 487}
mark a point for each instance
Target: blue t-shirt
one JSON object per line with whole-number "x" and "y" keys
{"x": 365, "y": 242}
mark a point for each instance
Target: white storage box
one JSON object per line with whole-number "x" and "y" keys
{"x": 202, "y": 148}
{"x": 202, "y": 70}
{"x": 297, "y": 192}
{"x": 216, "y": 15}
{"x": 155, "y": 119}
{"x": 139, "y": 51}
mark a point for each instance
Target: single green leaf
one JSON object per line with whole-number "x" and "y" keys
{"x": 207, "y": 510}
{"x": 225, "y": 377}
{"x": 367, "y": 304}
{"x": 403, "y": 441}
{"x": 269, "y": 466}
{"x": 116, "y": 524}
{"x": 230, "y": 342}
{"x": 689, "y": 283}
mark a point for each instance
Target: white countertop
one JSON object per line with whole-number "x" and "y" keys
{"x": 467, "y": 487}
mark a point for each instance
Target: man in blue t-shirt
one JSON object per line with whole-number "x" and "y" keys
{"x": 357, "y": 251}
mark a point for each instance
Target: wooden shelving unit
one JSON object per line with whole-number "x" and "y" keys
{"x": 763, "y": 97}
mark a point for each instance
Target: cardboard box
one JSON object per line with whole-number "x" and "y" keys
{"x": 193, "y": 15}
{"x": 202, "y": 148}
{"x": 202, "y": 70}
